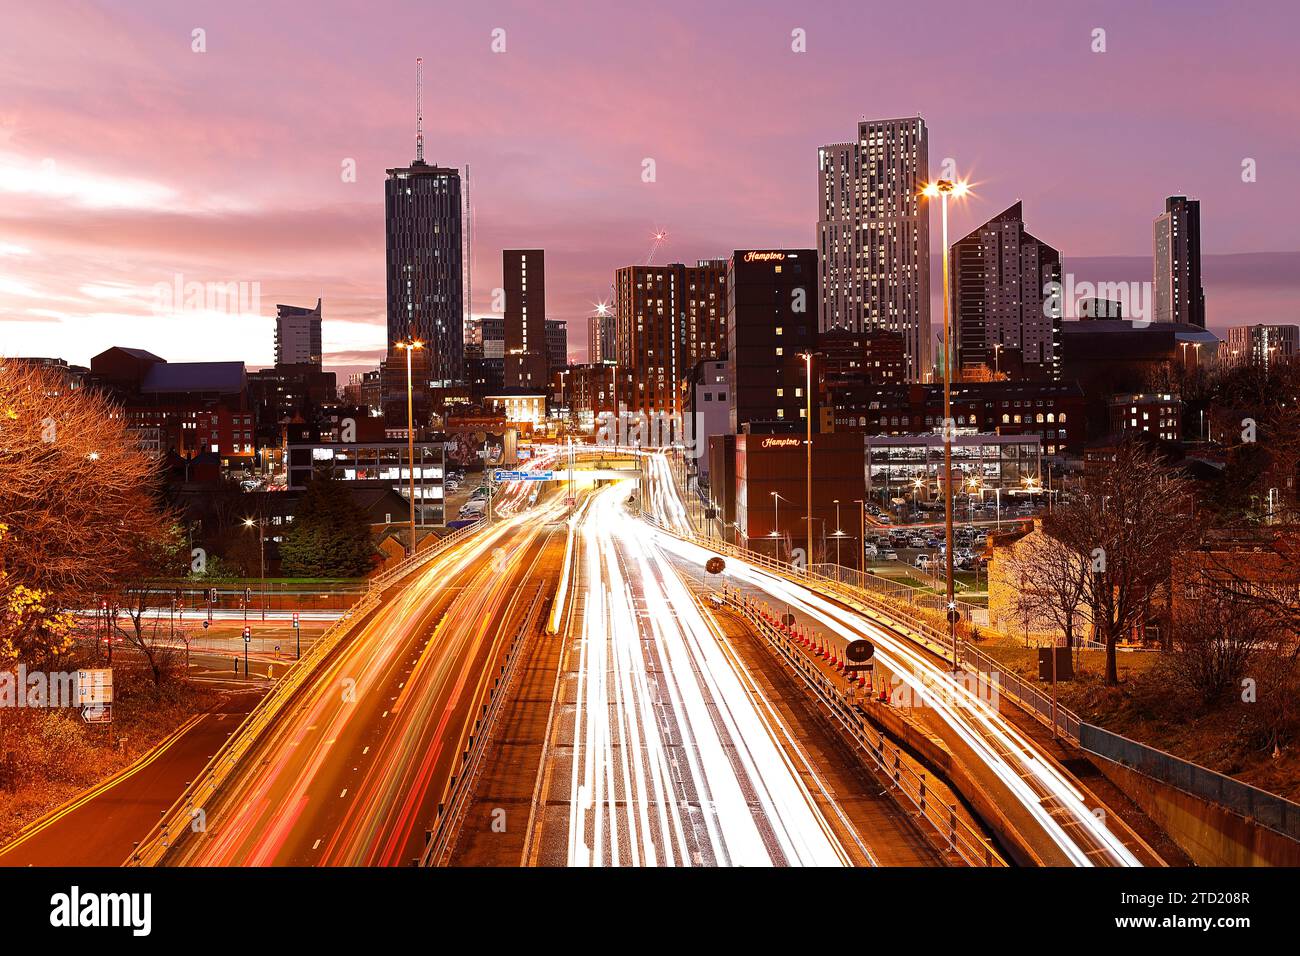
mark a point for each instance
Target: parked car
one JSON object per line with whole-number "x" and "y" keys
{"x": 889, "y": 554}
{"x": 917, "y": 542}
{"x": 871, "y": 551}
{"x": 923, "y": 562}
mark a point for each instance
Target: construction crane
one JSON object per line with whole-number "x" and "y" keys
{"x": 657, "y": 240}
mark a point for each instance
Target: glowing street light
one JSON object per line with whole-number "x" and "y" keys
{"x": 944, "y": 188}
{"x": 260, "y": 523}
{"x": 410, "y": 348}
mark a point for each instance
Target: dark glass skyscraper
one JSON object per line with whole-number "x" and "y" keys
{"x": 422, "y": 215}
{"x": 523, "y": 276}
{"x": 1176, "y": 251}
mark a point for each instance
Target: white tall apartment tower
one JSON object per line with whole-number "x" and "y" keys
{"x": 873, "y": 235}
{"x": 298, "y": 335}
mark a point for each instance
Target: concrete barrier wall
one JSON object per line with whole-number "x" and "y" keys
{"x": 1211, "y": 835}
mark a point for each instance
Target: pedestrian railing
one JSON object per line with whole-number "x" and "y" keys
{"x": 905, "y": 784}
{"x": 188, "y": 814}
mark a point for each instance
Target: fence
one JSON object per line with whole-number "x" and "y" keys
{"x": 1266, "y": 809}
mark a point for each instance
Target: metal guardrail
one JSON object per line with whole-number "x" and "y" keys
{"x": 189, "y": 807}
{"x": 450, "y": 812}
{"x": 866, "y": 581}
{"x": 1264, "y": 808}
{"x": 963, "y": 839}
{"x": 420, "y": 558}
{"x": 1033, "y": 701}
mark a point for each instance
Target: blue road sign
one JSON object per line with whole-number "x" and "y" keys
{"x": 522, "y": 475}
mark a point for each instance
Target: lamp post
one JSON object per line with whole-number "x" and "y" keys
{"x": 862, "y": 532}
{"x": 261, "y": 545}
{"x": 410, "y": 347}
{"x": 943, "y": 188}
{"x": 808, "y": 362}
{"x": 839, "y": 532}
{"x": 776, "y": 522}
{"x": 997, "y": 350}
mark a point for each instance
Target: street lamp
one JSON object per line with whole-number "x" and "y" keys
{"x": 808, "y": 361}
{"x": 776, "y": 521}
{"x": 943, "y": 189}
{"x": 261, "y": 545}
{"x": 997, "y": 350}
{"x": 839, "y": 532}
{"x": 410, "y": 348}
{"x": 862, "y": 531}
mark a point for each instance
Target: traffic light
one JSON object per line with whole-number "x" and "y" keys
{"x": 248, "y": 634}
{"x": 295, "y": 620}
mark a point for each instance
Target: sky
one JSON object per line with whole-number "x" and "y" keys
{"x": 133, "y": 163}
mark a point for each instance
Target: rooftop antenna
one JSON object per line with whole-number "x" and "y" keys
{"x": 419, "y": 109}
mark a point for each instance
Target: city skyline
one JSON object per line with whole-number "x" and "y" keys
{"x": 253, "y": 192}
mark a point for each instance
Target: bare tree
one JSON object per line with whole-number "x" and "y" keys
{"x": 1051, "y": 582}
{"x": 158, "y": 559}
{"x": 1131, "y": 515}
{"x": 1214, "y": 639}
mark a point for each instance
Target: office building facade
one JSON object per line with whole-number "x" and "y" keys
{"x": 668, "y": 318}
{"x": 771, "y": 321}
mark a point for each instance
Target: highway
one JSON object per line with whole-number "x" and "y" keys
{"x": 353, "y": 771}
{"x": 676, "y": 758}
{"x": 1045, "y": 806}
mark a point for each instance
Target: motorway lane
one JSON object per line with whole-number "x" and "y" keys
{"x": 675, "y": 761}
{"x": 1048, "y": 810}
{"x": 352, "y": 775}
{"x": 1044, "y": 806}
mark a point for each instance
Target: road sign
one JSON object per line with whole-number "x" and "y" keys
{"x": 500, "y": 475}
{"x": 715, "y": 565}
{"x": 95, "y": 686}
{"x": 97, "y": 714}
{"x": 859, "y": 651}
{"x": 212, "y": 595}
{"x": 206, "y": 625}
{"x": 248, "y": 634}
{"x": 787, "y": 619}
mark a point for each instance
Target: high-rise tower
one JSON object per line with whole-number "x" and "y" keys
{"x": 422, "y": 216}
{"x": 873, "y": 234}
